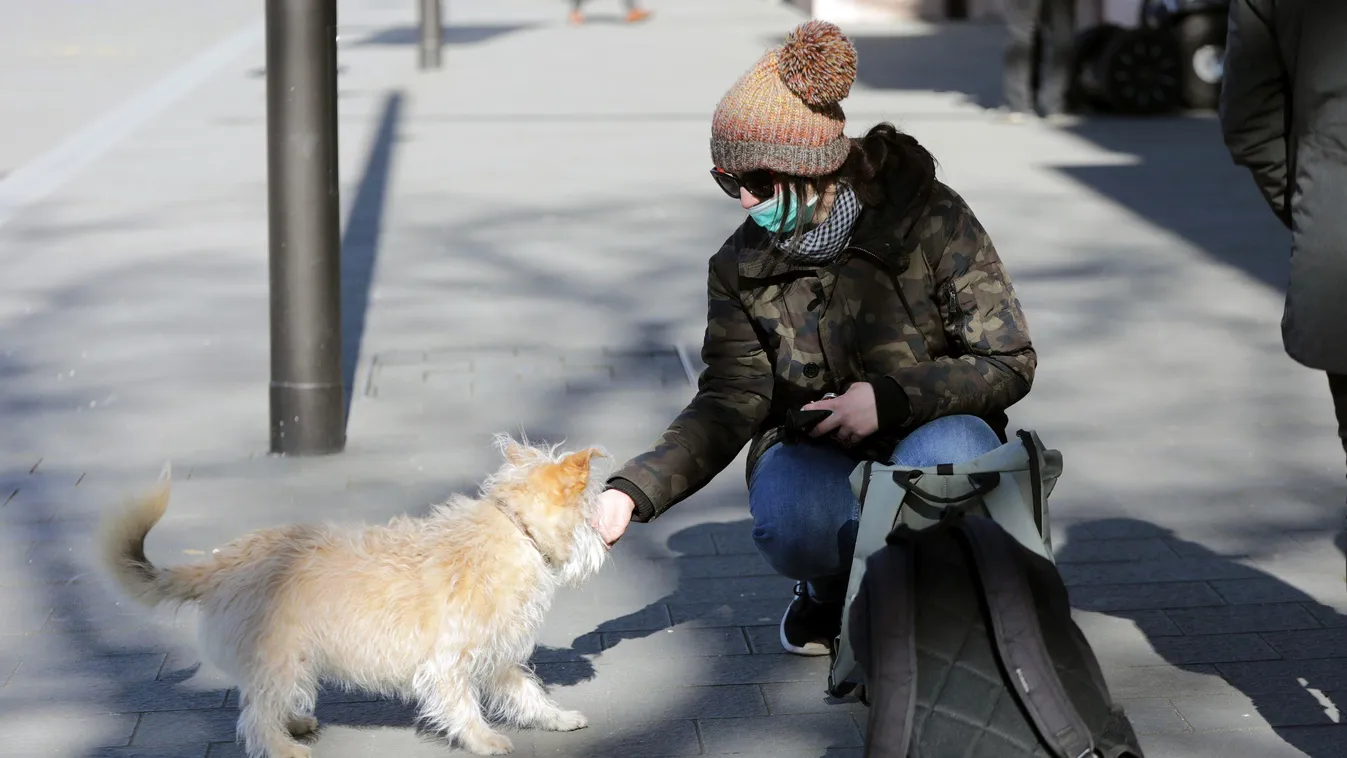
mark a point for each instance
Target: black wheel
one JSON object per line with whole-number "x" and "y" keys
{"x": 1087, "y": 89}
{"x": 1202, "y": 40}
{"x": 1142, "y": 72}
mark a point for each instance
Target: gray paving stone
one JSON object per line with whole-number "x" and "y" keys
{"x": 1238, "y": 711}
{"x": 197, "y": 750}
{"x": 739, "y": 613}
{"x": 42, "y": 732}
{"x": 582, "y": 646}
{"x": 1130, "y": 597}
{"x": 1213, "y": 648}
{"x": 1150, "y": 623}
{"x": 19, "y": 617}
{"x": 373, "y": 713}
{"x": 1257, "y": 591}
{"x": 1243, "y": 618}
{"x": 734, "y": 539}
{"x": 792, "y": 698}
{"x": 1301, "y": 645}
{"x": 1174, "y": 570}
{"x": 1154, "y": 715}
{"x": 678, "y": 642}
{"x": 1260, "y": 677}
{"x": 717, "y": 670}
{"x": 716, "y": 566}
{"x": 678, "y": 703}
{"x": 1264, "y": 743}
{"x": 775, "y": 736}
{"x": 737, "y": 589}
{"x": 139, "y": 667}
{"x": 1165, "y": 681}
{"x": 178, "y": 727}
{"x": 764, "y": 638}
{"x": 651, "y": 617}
{"x": 1329, "y": 617}
{"x": 1112, "y": 551}
{"x": 1119, "y": 529}
{"x": 1317, "y": 741}
{"x": 610, "y": 740}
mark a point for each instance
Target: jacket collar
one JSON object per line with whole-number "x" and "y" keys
{"x": 879, "y": 232}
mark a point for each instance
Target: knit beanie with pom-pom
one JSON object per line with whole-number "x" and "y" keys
{"x": 784, "y": 114}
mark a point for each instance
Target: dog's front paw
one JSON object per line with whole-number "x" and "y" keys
{"x": 488, "y": 743}
{"x": 566, "y": 721}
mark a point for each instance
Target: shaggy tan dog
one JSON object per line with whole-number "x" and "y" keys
{"x": 443, "y": 609}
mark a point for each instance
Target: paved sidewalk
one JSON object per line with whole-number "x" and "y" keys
{"x": 526, "y": 238}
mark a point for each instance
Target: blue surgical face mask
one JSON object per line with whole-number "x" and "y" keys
{"x": 770, "y": 215}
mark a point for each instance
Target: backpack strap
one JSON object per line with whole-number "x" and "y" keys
{"x": 885, "y": 641}
{"x": 1019, "y": 639}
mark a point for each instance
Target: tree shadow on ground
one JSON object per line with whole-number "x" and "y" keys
{"x": 1282, "y": 649}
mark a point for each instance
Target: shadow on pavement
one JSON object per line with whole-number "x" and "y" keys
{"x": 360, "y": 241}
{"x": 1182, "y": 178}
{"x": 1289, "y": 650}
{"x": 721, "y": 622}
{"x": 957, "y": 57}
{"x": 453, "y": 35}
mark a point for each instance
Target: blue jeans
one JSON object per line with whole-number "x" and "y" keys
{"x": 805, "y": 515}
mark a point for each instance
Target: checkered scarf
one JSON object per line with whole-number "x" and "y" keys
{"x": 825, "y": 242}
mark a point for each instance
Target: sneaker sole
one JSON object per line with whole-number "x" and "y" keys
{"x": 811, "y": 649}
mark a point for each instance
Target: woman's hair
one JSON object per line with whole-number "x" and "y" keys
{"x": 869, "y": 168}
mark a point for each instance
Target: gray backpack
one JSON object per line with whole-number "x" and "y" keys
{"x": 957, "y": 630}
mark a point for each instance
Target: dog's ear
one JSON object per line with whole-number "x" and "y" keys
{"x": 515, "y": 454}
{"x": 577, "y": 464}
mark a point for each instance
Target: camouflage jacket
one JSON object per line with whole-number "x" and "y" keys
{"x": 919, "y": 300}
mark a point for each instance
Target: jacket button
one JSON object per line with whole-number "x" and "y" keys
{"x": 810, "y": 370}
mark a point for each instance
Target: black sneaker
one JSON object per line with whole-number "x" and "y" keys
{"x": 810, "y": 627}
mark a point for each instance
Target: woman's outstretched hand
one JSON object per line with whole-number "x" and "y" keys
{"x": 854, "y": 415}
{"x": 613, "y": 516}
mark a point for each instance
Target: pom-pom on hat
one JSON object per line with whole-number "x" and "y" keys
{"x": 785, "y": 114}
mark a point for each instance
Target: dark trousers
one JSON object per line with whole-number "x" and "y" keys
{"x": 1038, "y": 55}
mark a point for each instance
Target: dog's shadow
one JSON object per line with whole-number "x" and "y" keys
{"x": 356, "y": 709}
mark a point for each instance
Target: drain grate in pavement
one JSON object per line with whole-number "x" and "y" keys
{"x": 478, "y": 372}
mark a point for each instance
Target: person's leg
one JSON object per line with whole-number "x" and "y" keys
{"x": 1018, "y": 65}
{"x": 804, "y": 515}
{"x": 805, "y": 518}
{"x": 804, "y": 524}
{"x": 577, "y": 14}
{"x": 952, "y": 439}
{"x": 1058, "y": 38}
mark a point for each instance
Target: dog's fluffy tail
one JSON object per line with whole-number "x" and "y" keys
{"x": 124, "y": 554}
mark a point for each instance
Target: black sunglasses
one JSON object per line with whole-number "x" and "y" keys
{"x": 760, "y": 184}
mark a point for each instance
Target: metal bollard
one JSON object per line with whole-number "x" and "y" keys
{"x": 432, "y": 34}
{"x": 304, "y": 228}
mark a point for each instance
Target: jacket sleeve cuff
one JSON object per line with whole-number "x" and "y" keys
{"x": 892, "y": 405}
{"x": 645, "y": 509}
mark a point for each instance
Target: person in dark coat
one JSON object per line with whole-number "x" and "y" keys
{"x": 1037, "y": 67}
{"x": 1284, "y": 116}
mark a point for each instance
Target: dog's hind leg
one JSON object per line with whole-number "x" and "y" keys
{"x": 518, "y": 696}
{"x": 449, "y": 703}
{"x": 262, "y": 725}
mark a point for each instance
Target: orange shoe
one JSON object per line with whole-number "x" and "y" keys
{"x": 577, "y": 18}
{"x": 637, "y": 15}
